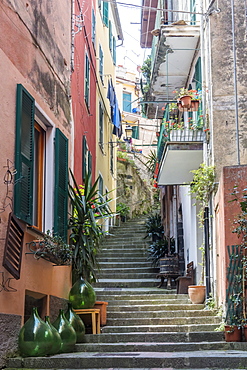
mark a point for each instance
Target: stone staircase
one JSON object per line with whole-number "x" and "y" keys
{"x": 147, "y": 327}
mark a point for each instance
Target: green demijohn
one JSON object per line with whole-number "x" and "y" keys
{"x": 66, "y": 332}
{"x": 35, "y": 337}
{"x": 56, "y": 345}
{"x": 76, "y": 322}
{"x": 82, "y": 294}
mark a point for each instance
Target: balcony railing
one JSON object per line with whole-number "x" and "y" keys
{"x": 185, "y": 135}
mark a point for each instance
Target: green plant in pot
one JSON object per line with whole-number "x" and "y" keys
{"x": 88, "y": 209}
{"x": 53, "y": 248}
{"x": 154, "y": 227}
{"x": 159, "y": 249}
{"x": 123, "y": 210}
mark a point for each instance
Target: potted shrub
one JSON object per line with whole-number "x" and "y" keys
{"x": 88, "y": 209}
{"x": 123, "y": 210}
{"x": 154, "y": 227}
{"x": 188, "y": 99}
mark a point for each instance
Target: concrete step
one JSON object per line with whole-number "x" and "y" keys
{"x": 129, "y": 269}
{"x": 158, "y": 337}
{"x": 152, "y": 302}
{"x": 132, "y": 297}
{"x": 123, "y": 254}
{"x": 171, "y": 321}
{"x": 161, "y": 314}
{"x": 159, "y": 328}
{"x": 159, "y": 347}
{"x": 128, "y": 275}
{"x": 126, "y": 283}
{"x": 171, "y": 307}
{"x": 223, "y": 359}
{"x": 129, "y": 264}
{"x": 123, "y": 259}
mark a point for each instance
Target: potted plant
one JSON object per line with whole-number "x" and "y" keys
{"x": 154, "y": 227}
{"x": 52, "y": 248}
{"x": 89, "y": 207}
{"x": 188, "y": 99}
{"x": 123, "y": 210}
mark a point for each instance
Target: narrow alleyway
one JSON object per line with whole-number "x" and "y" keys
{"x": 147, "y": 327}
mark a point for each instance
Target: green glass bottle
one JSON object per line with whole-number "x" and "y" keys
{"x": 56, "y": 344}
{"x": 82, "y": 294}
{"x": 76, "y": 322}
{"x": 35, "y": 337}
{"x": 66, "y": 332}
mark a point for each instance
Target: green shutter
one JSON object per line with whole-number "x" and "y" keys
{"x": 61, "y": 184}
{"x": 105, "y": 13}
{"x": 114, "y": 50}
{"x": 198, "y": 74}
{"x": 101, "y": 124}
{"x": 110, "y": 36}
{"x": 101, "y": 64}
{"x": 93, "y": 27}
{"x": 24, "y": 149}
{"x": 87, "y": 80}
{"x": 89, "y": 163}
{"x": 135, "y": 132}
{"x": 84, "y": 157}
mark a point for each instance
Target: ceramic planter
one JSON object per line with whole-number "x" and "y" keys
{"x": 197, "y": 293}
{"x": 233, "y": 333}
{"x": 185, "y": 101}
{"x": 194, "y": 106}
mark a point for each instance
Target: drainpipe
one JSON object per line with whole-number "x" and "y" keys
{"x": 235, "y": 81}
{"x": 207, "y": 251}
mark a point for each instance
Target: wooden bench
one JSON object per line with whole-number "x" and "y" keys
{"x": 95, "y": 317}
{"x": 184, "y": 281}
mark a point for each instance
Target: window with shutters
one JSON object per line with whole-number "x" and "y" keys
{"x": 93, "y": 28}
{"x": 126, "y": 102}
{"x": 84, "y": 157}
{"x": 101, "y": 125}
{"x": 101, "y": 64}
{"x": 87, "y": 81}
{"x": 114, "y": 56}
{"x": 101, "y": 184}
{"x": 110, "y": 37}
{"x": 34, "y": 157}
{"x": 135, "y": 132}
{"x": 105, "y": 13}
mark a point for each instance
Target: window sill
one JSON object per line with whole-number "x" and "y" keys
{"x": 32, "y": 230}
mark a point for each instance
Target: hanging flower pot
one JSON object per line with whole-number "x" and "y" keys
{"x": 185, "y": 101}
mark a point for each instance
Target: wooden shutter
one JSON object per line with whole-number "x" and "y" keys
{"x": 87, "y": 80}
{"x": 105, "y": 13}
{"x": 101, "y": 64}
{"x": 110, "y": 36}
{"x": 13, "y": 247}
{"x": 114, "y": 56}
{"x": 84, "y": 157}
{"x": 24, "y": 149}
{"x": 93, "y": 27}
{"x": 135, "y": 132}
{"x": 61, "y": 184}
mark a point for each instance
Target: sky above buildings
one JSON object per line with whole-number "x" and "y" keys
{"x": 130, "y": 54}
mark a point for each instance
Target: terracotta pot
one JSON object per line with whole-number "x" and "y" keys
{"x": 245, "y": 332}
{"x": 233, "y": 333}
{"x": 192, "y": 108}
{"x": 197, "y": 293}
{"x": 103, "y": 311}
{"x": 185, "y": 101}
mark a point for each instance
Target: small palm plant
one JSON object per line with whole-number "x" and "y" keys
{"x": 89, "y": 207}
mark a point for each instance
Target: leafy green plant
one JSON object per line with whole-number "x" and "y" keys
{"x": 53, "y": 248}
{"x": 89, "y": 208}
{"x": 202, "y": 186}
{"x": 159, "y": 249}
{"x": 154, "y": 227}
{"x": 151, "y": 162}
{"x": 123, "y": 209}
